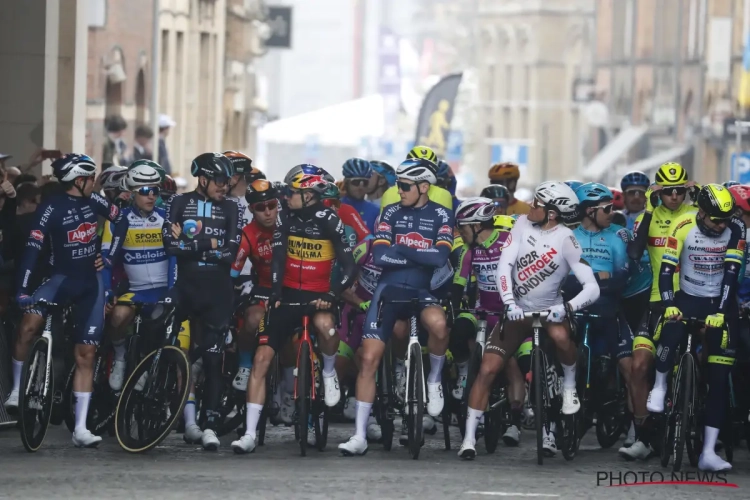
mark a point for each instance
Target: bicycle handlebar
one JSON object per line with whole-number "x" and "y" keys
{"x": 536, "y": 314}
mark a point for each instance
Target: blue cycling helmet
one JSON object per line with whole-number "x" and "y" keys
{"x": 443, "y": 170}
{"x": 573, "y": 184}
{"x": 357, "y": 168}
{"x": 384, "y": 170}
{"x": 307, "y": 169}
{"x": 72, "y": 166}
{"x": 729, "y": 184}
{"x": 635, "y": 179}
{"x": 592, "y": 193}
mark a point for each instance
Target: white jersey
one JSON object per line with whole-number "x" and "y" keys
{"x": 247, "y": 217}
{"x": 535, "y": 263}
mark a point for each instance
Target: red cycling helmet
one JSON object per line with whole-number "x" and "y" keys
{"x": 741, "y": 195}
{"x": 618, "y": 201}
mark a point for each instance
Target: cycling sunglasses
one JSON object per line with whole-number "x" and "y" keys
{"x": 537, "y": 204}
{"x": 607, "y": 209}
{"x": 148, "y": 190}
{"x": 404, "y": 186}
{"x": 720, "y": 220}
{"x": 220, "y": 181}
{"x": 357, "y": 182}
{"x": 670, "y": 191}
{"x": 265, "y": 205}
{"x": 635, "y": 192}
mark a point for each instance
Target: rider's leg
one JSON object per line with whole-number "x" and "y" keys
{"x": 640, "y": 374}
{"x": 328, "y": 341}
{"x": 31, "y": 324}
{"x": 433, "y": 320}
{"x": 516, "y": 391}
{"x": 566, "y": 350}
{"x": 372, "y": 352}
{"x": 460, "y": 343}
{"x": 246, "y": 336}
{"x": 256, "y": 387}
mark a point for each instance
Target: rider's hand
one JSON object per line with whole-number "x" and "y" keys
{"x": 214, "y": 243}
{"x": 603, "y": 275}
{"x": 652, "y": 197}
{"x": 715, "y": 320}
{"x": 514, "y": 313}
{"x": 24, "y": 301}
{"x": 364, "y": 306}
{"x": 176, "y": 230}
{"x": 673, "y": 313}
{"x": 556, "y": 313}
{"x": 273, "y": 302}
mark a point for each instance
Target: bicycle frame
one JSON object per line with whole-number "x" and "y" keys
{"x": 413, "y": 339}
{"x": 305, "y": 338}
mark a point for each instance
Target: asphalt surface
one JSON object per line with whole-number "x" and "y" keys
{"x": 178, "y": 470}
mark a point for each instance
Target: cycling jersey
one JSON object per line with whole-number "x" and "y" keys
{"x": 69, "y": 223}
{"x": 255, "y": 246}
{"x": 630, "y": 218}
{"x": 605, "y": 251}
{"x": 369, "y": 273}
{"x": 651, "y": 231}
{"x": 367, "y": 210}
{"x": 709, "y": 266}
{"x": 305, "y": 246}
{"x": 641, "y": 276}
{"x": 518, "y": 207}
{"x": 534, "y": 264}
{"x": 437, "y": 194}
{"x": 411, "y": 243}
{"x": 481, "y": 260}
{"x": 136, "y": 243}
{"x": 202, "y": 220}
{"x": 350, "y": 217}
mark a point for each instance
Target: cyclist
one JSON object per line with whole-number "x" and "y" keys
{"x": 308, "y": 239}
{"x": 507, "y": 174}
{"x": 69, "y": 222}
{"x": 541, "y": 253}
{"x": 110, "y": 182}
{"x": 244, "y": 175}
{"x": 135, "y": 243}
{"x": 708, "y": 247}
{"x": 413, "y": 238}
{"x": 634, "y": 186}
{"x": 383, "y": 177}
{"x": 741, "y": 196}
{"x": 167, "y": 191}
{"x": 651, "y": 229}
{"x": 447, "y": 180}
{"x": 357, "y": 173}
{"x": 436, "y": 193}
{"x": 208, "y": 229}
{"x": 255, "y": 246}
{"x": 729, "y": 184}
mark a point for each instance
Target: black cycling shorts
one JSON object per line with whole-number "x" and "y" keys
{"x": 279, "y": 325}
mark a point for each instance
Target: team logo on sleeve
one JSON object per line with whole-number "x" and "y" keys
{"x": 113, "y": 211}
{"x": 384, "y": 227}
{"x": 672, "y": 243}
{"x": 37, "y": 235}
{"x": 445, "y": 230}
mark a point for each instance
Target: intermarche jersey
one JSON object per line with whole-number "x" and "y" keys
{"x": 69, "y": 223}
{"x": 135, "y": 242}
{"x": 606, "y": 251}
{"x": 701, "y": 259}
{"x": 369, "y": 273}
{"x": 411, "y": 243}
{"x": 255, "y": 246}
{"x": 481, "y": 261}
{"x": 535, "y": 263}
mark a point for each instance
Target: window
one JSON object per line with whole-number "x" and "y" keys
{"x": 97, "y": 13}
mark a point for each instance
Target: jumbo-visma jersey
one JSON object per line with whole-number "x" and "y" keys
{"x": 143, "y": 256}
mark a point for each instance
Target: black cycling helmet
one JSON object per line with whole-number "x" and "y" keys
{"x": 211, "y": 166}
{"x": 259, "y": 191}
{"x": 495, "y": 191}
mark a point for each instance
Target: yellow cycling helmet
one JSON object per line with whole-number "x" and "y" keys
{"x": 716, "y": 201}
{"x": 503, "y": 222}
{"x": 502, "y": 171}
{"x": 671, "y": 174}
{"x": 422, "y": 152}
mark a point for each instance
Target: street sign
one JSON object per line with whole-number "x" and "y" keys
{"x": 741, "y": 167}
{"x": 280, "y": 21}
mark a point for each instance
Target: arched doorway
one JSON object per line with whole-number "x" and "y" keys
{"x": 115, "y": 78}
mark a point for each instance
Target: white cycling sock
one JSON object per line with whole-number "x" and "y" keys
{"x": 709, "y": 440}
{"x": 329, "y": 365}
{"x": 189, "y": 412}
{"x": 569, "y": 374}
{"x": 17, "y": 369}
{"x": 120, "y": 349}
{"x": 289, "y": 380}
{"x": 360, "y": 421}
{"x": 660, "y": 382}
{"x": 436, "y": 368}
{"x": 472, "y": 420}
{"x": 82, "y": 409}
{"x": 463, "y": 369}
{"x": 252, "y": 418}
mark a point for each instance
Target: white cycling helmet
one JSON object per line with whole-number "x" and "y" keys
{"x": 139, "y": 176}
{"x": 475, "y": 210}
{"x": 417, "y": 170}
{"x": 560, "y": 197}
{"x": 111, "y": 178}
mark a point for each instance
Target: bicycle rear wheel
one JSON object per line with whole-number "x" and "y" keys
{"x": 475, "y": 362}
{"x": 446, "y": 416}
{"x": 493, "y": 427}
{"x": 539, "y": 380}
{"x": 34, "y": 407}
{"x": 684, "y": 405}
{"x": 303, "y": 396}
{"x": 415, "y": 400}
{"x": 152, "y": 399}
{"x": 321, "y": 428}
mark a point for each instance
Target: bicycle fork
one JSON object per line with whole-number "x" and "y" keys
{"x": 47, "y": 334}
{"x": 413, "y": 340}
{"x": 305, "y": 338}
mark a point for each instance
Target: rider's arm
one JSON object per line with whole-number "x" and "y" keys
{"x": 242, "y": 254}
{"x": 732, "y": 262}
{"x": 571, "y": 251}
{"x": 278, "y": 253}
{"x": 226, "y": 250}
{"x": 670, "y": 259}
{"x": 174, "y": 246}
{"x": 616, "y": 283}
{"x": 351, "y": 218}
{"x": 45, "y": 217}
{"x": 437, "y": 255}
{"x": 333, "y": 230}
{"x": 508, "y": 260}
{"x": 461, "y": 276}
{"x": 638, "y": 243}
{"x": 112, "y": 240}
{"x": 104, "y": 208}
{"x": 384, "y": 253}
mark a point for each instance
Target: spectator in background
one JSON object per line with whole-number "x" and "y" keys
{"x": 25, "y": 179}
{"x": 142, "y": 149}
{"x": 165, "y": 125}
{"x": 12, "y": 173}
{"x": 115, "y": 149}
{"x": 28, "y": 196}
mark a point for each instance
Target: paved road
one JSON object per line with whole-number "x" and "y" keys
{"x": 177, "y": 470}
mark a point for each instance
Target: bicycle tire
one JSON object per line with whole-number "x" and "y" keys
{"x": 69, "y": 401}
{"x": 28, "y": 417}
{"x": 385, "y": 400}
{"x": 270, "y": 385}
{"x": 101, "y": 406}
{"x": 684, "y": 403}
{"x": 128, "y": 402}
{"x": 493, "y": 429}
{"x": 415, "y": 400}
{"x": 475, "y": 362}
{"x": 539, "y": 378}
{"x": 321, "y": 429}
{"x": 303, "y": 396}
{"x": 446, "y": 414}
{"x": 667, "y": 438}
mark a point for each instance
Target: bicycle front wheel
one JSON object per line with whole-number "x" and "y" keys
{"x": 539, "y": 378}
{"x": 152, "y": 399}
{"x": 684, "y": 405}
{"x": 415, "y": 400}
{"x": 34, "y": 406}
{"x": 303, "y": 396}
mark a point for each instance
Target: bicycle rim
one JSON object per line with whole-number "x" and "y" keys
{"x": 35, "y": 409}
{"x": 415, "y": 400}
{"x": 145, "y": 417}
{"x": 540, "y": 381}
{"x": 684, "y": 401}
{"x": 303, "y": 396}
